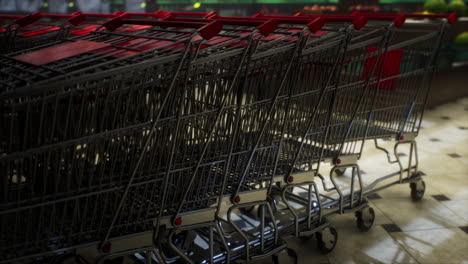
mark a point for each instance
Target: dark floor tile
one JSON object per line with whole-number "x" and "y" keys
{"x": 454, "y": 155}
{"x": 464, "y": 229}
{"x": 445, "y": 117}
{"x": 363, "y": 172}
{"x": 374, "y": 196}
{"x": 463, "y": 128}
{"x": 401, "y": 154}
{"x": 440, "y": 197}
{"x": 391, "y": 228}
{"x": 434, "y": 139}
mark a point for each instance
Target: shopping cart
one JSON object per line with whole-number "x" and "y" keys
{"x": 391, "y": 107}
{"x": 401, "y": 92}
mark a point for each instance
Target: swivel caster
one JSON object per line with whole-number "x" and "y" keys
{"x": 365, "y": 218}
{"x": 287, "y": 256}
{"x": 417, "y": 190}
{"x": 327, "y": 239}
{"x": 340, "y": 172}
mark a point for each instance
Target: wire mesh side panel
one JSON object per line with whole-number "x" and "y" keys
{"x": 258, "y": 119}
{"x": 82, "y": 177}
{"x": 353, "y": 99}
{"x": 307, "y": 105}
{"x": 405, "y": 76}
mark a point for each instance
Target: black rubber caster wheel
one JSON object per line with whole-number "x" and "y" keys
{"x": 287, "y": 256}
{"x": 340, "y": 172}
{"x": 418, "y": 189}
{"x": 327, "y": 239}
{"x": 365, "y": 218}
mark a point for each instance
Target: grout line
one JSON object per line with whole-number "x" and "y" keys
{"x": 400, "y": 245}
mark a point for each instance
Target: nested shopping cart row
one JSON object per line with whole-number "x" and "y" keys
{"x": 162, "y": 133}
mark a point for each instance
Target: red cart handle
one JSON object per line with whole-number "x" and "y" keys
{"x": 398, "y": 19}
{"x": 451, "y": 18}
{"x": 206, "y": 30}
{"x": 358, "y": 21}
{"x": 265, "y": 27}
{"x": 77, "y": 18}
{"x": 314, "y": 24}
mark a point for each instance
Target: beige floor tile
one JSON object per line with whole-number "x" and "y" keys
{"x": 374, "y": 246}
{"x": 453, "y": 186}
{"x": 459, "y": 207}
{"x": 425, "y": 214}
{"x": 435, "y": 246}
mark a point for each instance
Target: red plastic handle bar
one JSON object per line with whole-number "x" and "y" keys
{"x": 451, "y": 18}
{"x": 266, "y": 27}
{"x": 206, "y": 30}
{"x": 28, "y": 19}
{"x": 398, "y": 19}
{"x": 314, "y": 24}
{"x": 358, "y": 21}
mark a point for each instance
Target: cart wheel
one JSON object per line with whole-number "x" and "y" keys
{"x": 287, "y": 256}
{"x": 365, "y": 218}
{"x": 340, "y": 172}
{"x": 326, "y": 239}
{"x": 417, "y": 190}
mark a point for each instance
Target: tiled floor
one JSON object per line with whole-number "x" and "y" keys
{"x": 433, "y": 230}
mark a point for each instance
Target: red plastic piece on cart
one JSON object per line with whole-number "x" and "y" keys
{"x": 107, "y": 248}
{"x": 61, "y": 52}
{"x": 290, "y": 179}
{"x": 452, "y": 18}
{"x": 210, "y": 30}
{"x": 399, "y": 21}
{"x": 178, "y": 221}
{"x": 257, "y": 15}
{"x": 114, "y": 23}
{"x": 338, "y": 161}
{"x": 360, "y": 22}
{"x": 268, "y": 27}
{"x": 402, "y": 137}
{"x": 28, "y": 19}
{"x": 389, "y": 67}
{"x": 316, "y": 25}
{"x": 237, "y": 199}
{"x": 76, "y": 18}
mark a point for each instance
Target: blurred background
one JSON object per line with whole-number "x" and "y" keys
{"x": 452, "y": 63}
